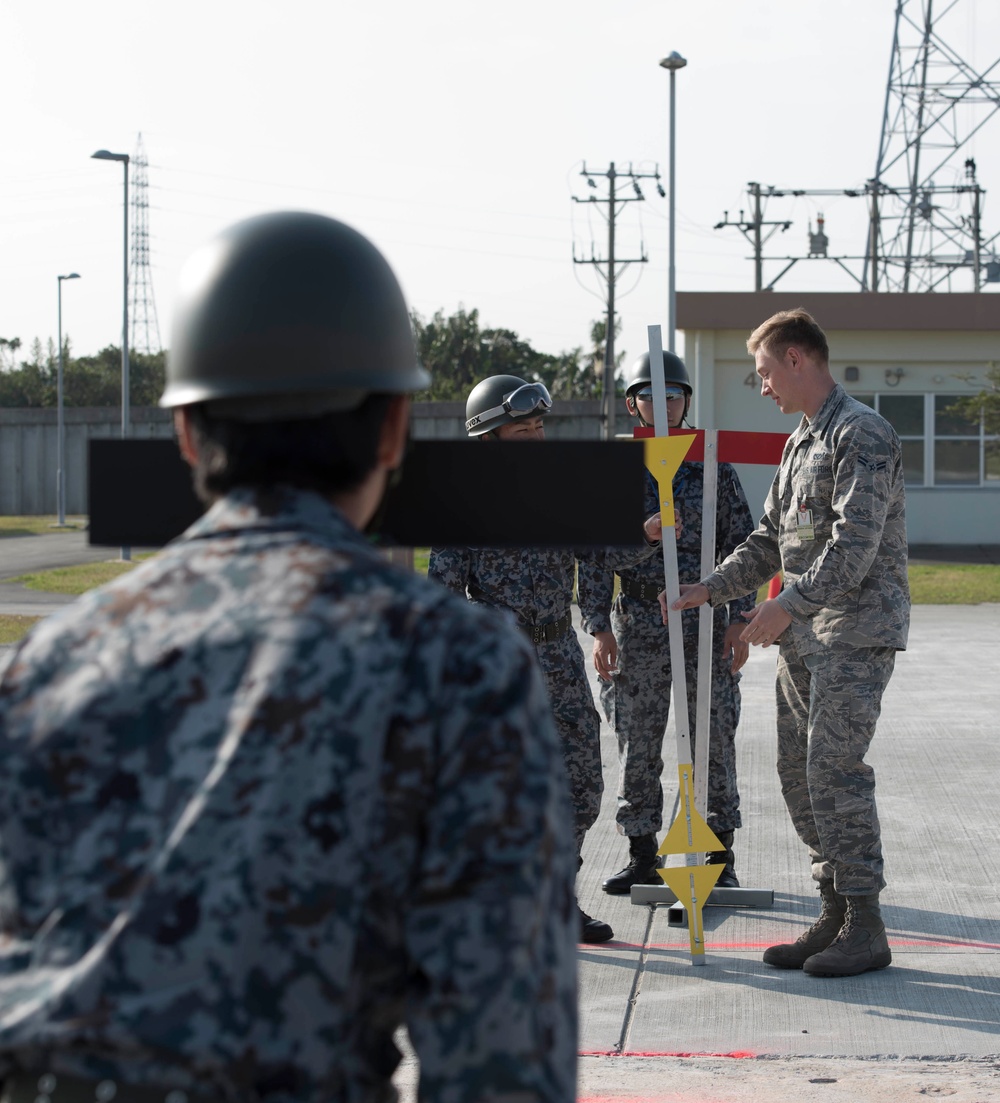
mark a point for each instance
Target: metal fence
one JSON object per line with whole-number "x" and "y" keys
{"x": 29, "y": 444}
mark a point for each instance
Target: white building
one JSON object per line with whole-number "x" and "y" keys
{"x": 908, "y": 356}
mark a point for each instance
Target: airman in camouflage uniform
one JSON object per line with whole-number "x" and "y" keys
{"x": 632, "y": 652}
{"x": 834, "y": 524}
{"x": 267, "y": 797}
{"x": 535, "y": 585}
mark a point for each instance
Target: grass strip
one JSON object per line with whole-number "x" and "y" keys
{"x": 76, "y": 580}
{"x": 14, "y": 628}
{"x": 38, "y": 526}
{"x": 930, "y": 584}
{"x": 954, "y": 583}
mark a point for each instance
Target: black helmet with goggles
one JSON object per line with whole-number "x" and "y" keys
{"x": 500, "y": 399}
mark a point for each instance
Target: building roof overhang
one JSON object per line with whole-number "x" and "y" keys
{"x": 853, "y": 310}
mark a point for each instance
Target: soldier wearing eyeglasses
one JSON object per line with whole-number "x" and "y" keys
{"x": 632, "y": 649}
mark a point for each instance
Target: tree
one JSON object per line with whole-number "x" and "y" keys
{"x": 451, "y": 350}
{"x": 581, "y": 375}
{"x": 458, "y": 353}
{"x": 985, "y": 405}
{"x": 97, "y": 380}
{"x": 8, "y": 349}
{"x": 31, "y": 384}
{"x": 87, "y": 380}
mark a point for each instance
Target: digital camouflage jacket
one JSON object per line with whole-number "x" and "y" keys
{"x": 265, "y": 799}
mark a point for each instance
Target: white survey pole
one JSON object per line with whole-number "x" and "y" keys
{"x": 671, "y": 574}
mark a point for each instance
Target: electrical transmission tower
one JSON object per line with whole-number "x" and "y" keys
{"x": 924, "y": 208}
{"x": 614, "y": 266}
{"x": 145, "y": 335}
{"x": 924, "y": 227}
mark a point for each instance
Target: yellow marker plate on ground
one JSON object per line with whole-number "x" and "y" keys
{"x": 689, "y": 833}
{"x": 692, "y": 886}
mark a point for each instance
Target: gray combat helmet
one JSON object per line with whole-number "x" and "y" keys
{"x": 499, "y": 399}
{"x": 289, "y": 315}
{"x": 673, "y": 372}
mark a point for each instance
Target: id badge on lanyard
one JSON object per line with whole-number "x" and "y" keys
{"x": 804, "y": 527}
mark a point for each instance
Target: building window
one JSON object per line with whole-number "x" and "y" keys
{"x": 939, "y": 449}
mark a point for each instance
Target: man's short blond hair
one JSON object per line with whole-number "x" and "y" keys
{"x": 790, "y": 327}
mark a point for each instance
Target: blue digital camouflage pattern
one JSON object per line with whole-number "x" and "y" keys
{"x": 637, "y": 699}
{"x": 846, "y": 590}
{"x": 535, "y": 585}
{"x": 263, "y": 800}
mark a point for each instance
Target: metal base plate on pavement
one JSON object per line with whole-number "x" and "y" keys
{"x": 720, "y": 898}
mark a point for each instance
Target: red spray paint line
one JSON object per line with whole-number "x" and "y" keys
{"x": 896, "y": 943}
{"x": 737, "y": 1054}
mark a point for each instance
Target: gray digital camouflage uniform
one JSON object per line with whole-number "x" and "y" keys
{"x": 845, "y": 588}
{"x": 536, "y": 586}
{"x": 266, "y": 798}
{"x": 637, "y": 699}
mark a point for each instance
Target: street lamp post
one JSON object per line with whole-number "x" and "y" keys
{"x": 672, "y": 63}
{"x": 105, "y": 155}
{"x": 60, "y": 423}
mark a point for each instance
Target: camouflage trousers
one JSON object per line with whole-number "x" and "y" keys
{"x": 828, "y": 705}
{"x": 578, "y": 724}
{"x": 636, "y": 703}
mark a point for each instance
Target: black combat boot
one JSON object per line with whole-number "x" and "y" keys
{"x": 641, "y": 869}
{"x": 593, "y": 930}
{"x": 860, "y": 945}
{"x": 727, "y": 878}
{"x": 794, "y": 955}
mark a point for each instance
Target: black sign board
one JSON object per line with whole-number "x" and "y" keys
{"x": 462, "y": 493}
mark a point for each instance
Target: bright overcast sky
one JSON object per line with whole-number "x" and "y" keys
{"x": 451, "y": 133}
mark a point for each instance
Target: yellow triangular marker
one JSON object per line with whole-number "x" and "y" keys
{"x": 663, "y": 456}
{"x": 692, "y": 886}
{"x": 689, "y": 834}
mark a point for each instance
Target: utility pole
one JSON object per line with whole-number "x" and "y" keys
{"x": 974, "y": 224}
{"x": 751, "y": 230}
{"x": 615, "y": 267}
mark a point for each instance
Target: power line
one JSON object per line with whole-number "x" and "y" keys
{"x": 615, "y": 202}
{"x": 921, "y": 232}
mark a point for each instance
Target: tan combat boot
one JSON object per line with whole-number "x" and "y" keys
{"x": 860, "y": 945}
{"x": 794, "y": 955}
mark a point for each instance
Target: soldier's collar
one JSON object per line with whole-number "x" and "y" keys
{"x": 817, "y": 425}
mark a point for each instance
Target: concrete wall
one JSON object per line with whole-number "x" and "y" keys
{"x": 29, "y": 449}
{"x": 28, "y": 444}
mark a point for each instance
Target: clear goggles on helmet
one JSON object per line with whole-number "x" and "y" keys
{"x": 518, "y": 403}
{"x": 673, "y": 394}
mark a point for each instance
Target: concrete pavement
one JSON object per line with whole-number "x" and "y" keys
{"x": 24, "y": 554}
{"x": 653, "y": 1027}
{"x": 931, "y": 1022}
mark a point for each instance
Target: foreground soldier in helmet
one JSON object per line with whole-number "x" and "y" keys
{"x": 632, "y": 650}
{"x": 267, "y": 797}
{"x": 536, "y": 585}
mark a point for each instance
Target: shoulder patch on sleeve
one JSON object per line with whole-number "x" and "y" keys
{"x": 869, "y": 464}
